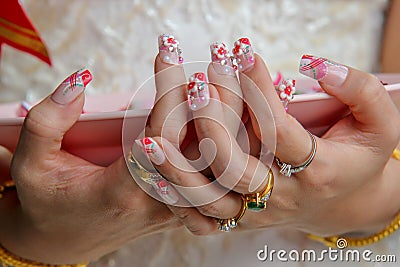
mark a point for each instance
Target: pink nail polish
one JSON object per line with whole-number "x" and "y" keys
{"x": 198, "y": 92}
{"x": 72, "y": 87}
{"x": 244, "y": 54}
{"x": 169, "y": 49}
{"x": 323, "y": 70}
{"x": 152, "y": 149}
{"x": 222, "y": 59}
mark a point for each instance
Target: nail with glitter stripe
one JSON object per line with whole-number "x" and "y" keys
{"x": 72, "y": 87}
{"x": 323, "y": 70}
{"x": 152, "y": 149}
{"x": 169, "y": 49}
{"x": 222, "y": 59}
{"x": 244, "y": 54}
{"x": 197, "y": 91}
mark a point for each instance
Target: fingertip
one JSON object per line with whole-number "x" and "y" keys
{"x": 323, "y": 70}
{"x": 72, "y": 87}
{"x": 169, "y": 50}
{"x": 198, "y": 91}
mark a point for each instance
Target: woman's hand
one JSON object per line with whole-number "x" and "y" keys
{"x": 348, "y": 176}
{"x": 171, "y": 119}
{"x": 69, "y": 210}
{"x": 347, "y": 187}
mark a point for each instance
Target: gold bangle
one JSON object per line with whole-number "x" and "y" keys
{"x": 396, "y": 154}
{"x": 7, "y": 259}
{"x": 6, "y": 186}
{"x": 343, "y": 242}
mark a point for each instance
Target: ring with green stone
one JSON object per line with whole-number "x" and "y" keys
{"x": 258, "y": 201}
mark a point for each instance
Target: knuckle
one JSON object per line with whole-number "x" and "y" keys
{"x": 196, "y": 227}
{"x": 370, "y": 85}
{"x": 183, "y": 214}
{"x": 39, "y": 125}
{"x": 210, "y": 210}
{"x": 284, "y": 127}
{"x": 321, "y": 182}
{"x": 371, "y": 80}
{"x": 200, "y": 230}
{"x": 284, "y": 202}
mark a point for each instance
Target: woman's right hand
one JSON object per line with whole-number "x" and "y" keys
{"x": 68, "y": 210}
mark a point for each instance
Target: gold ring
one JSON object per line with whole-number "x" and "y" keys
{"x": 258, "y": 201}
{"x": 225, "y": 225}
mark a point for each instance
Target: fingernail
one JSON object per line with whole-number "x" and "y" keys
{"x": 72, "y": 87}
{"x": 152, "y": 149}
{"x": 222, "y": 59}
{"x": 323, "y": 70}
{"x": 169, "y": 49}
{"x": 244, "y": 54}
{"x": 198, "y": 92}
{"x": 166, "y": 191}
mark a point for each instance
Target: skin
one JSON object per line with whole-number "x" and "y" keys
{"x": 69, "y": 210}
{"x": 57, "y": 215}
{"x": 316, "y": 199}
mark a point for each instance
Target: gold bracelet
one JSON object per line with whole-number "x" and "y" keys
{"x": 6, "y": 186}
{"x": 343, "y": 242}
{"x": 7, "y": 259}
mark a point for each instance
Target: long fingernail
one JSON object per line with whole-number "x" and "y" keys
{"x": 198, "y": 92}
{"x": 169, "y": 49}
{"x": 323, "y": 70}
{"x": 222, "y": 59}
{"x": 244, "y": 54}
{"x": 152, "y": 149}
{"x": 166, "y": 191}
{"x": 72, "y": 87}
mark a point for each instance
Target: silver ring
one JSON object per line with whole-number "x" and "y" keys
{"x": 287, "y": 169}
{"x": 226, "y": 225}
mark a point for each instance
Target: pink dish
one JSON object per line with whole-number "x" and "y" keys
{"x": 97, "y": 136}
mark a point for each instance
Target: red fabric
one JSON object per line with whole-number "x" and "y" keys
{"x": 17, "y": 31}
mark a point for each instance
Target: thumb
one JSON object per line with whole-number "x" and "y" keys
{"x": 47, "y": 122}
{"x": 363, "y": 93}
